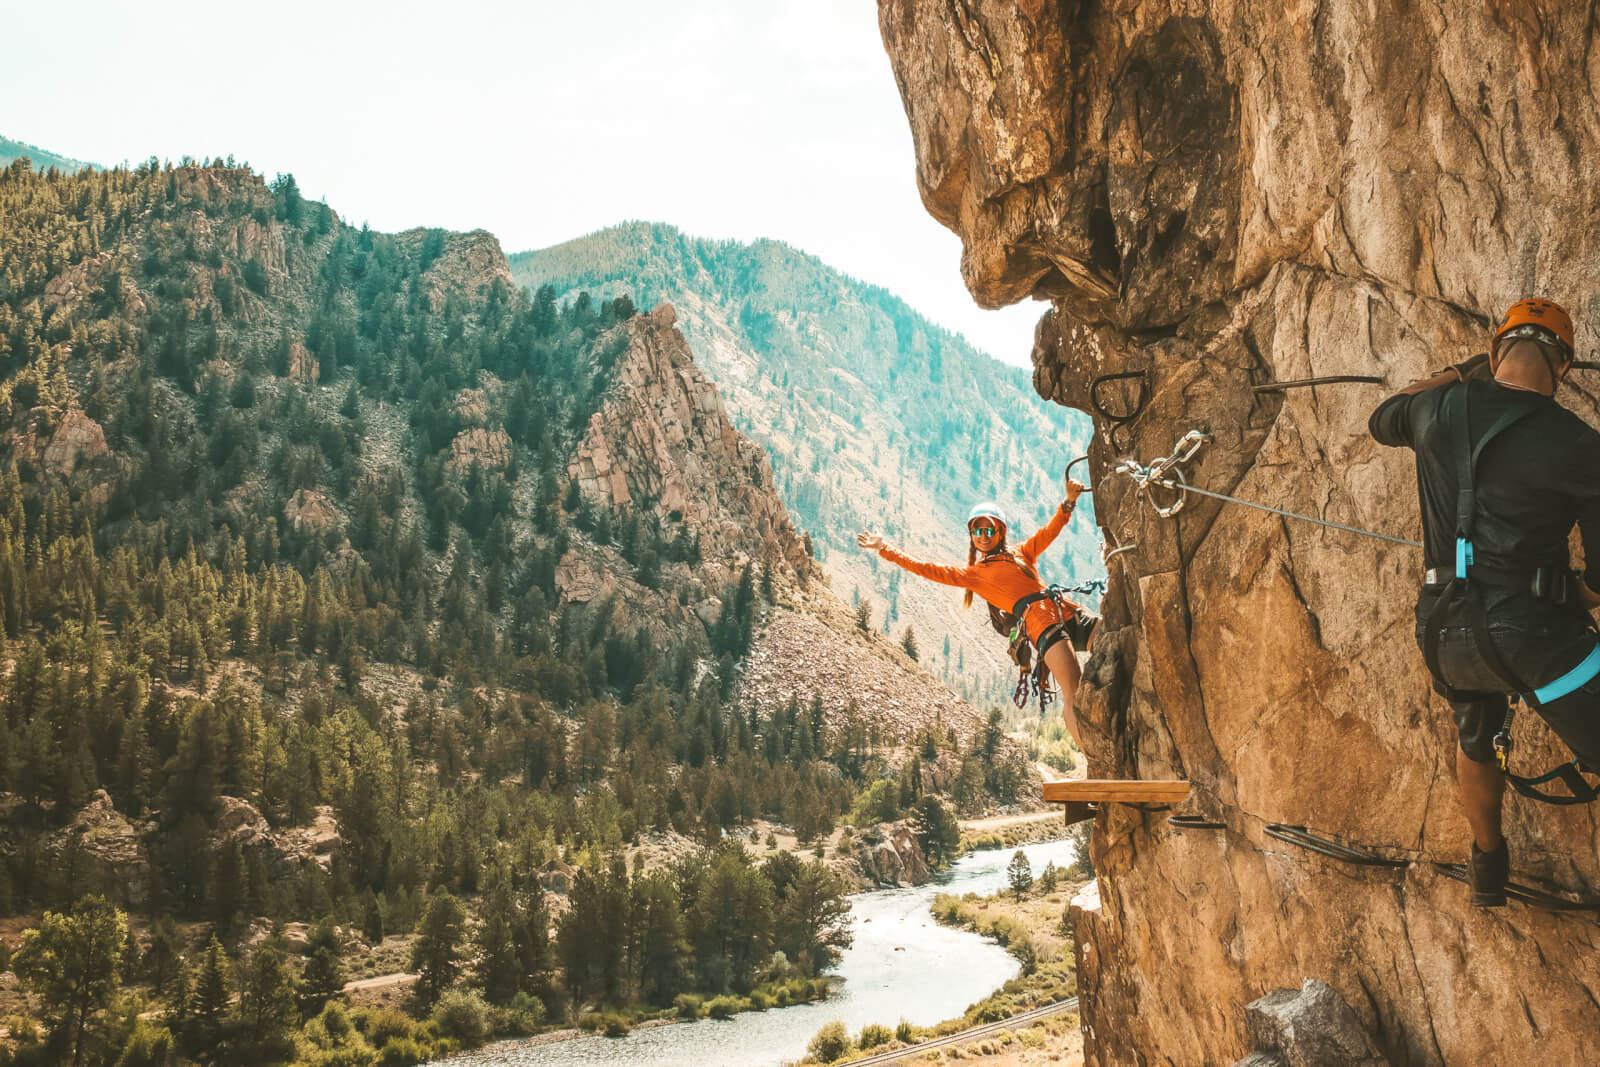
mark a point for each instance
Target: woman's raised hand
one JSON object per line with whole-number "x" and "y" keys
{"x": 1075, "y": 489}
{"x": 869, "y": 540}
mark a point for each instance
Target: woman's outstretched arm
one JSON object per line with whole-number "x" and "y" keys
{"x": 1034, "y": 546}
{"x": 934, "y": 572}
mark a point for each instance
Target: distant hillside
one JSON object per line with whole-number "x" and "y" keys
{"x": 872, "y": 415}
{"x": 10, "y": 151}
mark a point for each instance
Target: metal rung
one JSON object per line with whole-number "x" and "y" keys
{"x": 1299, "y": 835}
{"x": 1195, "y": 822}
{"x": 1534, "y": 898}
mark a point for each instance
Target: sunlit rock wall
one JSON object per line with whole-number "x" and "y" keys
{"x": 1223, "y": 194}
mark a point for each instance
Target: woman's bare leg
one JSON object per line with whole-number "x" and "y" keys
{"x": 1062, "y": 661}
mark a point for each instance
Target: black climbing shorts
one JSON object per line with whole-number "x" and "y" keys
{"x": 1053, "y": 635}
{"x": 1081, "y": 629}
{"x": 1541, "y": 644}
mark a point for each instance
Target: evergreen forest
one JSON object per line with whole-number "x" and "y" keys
{"x": 288, "y": 680}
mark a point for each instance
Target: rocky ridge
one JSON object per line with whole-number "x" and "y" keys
{"x": 1219, "y": 194}
{"x": 662, "y": 440}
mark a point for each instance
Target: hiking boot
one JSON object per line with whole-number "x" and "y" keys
{"x": 1489, "y": 871}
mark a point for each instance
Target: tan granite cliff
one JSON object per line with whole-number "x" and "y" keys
{"x": 1221, "y": 194}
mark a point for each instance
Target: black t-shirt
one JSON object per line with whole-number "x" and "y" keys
{"x": 1534, "y": 480}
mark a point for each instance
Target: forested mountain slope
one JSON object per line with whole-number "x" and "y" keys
{"x": 315, "y": 603}
{"x": 10, "y": 151}
{"x": 872, "y": 415}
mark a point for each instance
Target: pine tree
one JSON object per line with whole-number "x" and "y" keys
{"x": 71, "y": 962}
{"x": 323, "y": 976}
{"x": 436, "y": 955}
{"x": 210, "y": 998}
{"x": 1019, "y": 873}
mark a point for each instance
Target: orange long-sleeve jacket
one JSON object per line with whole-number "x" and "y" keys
{"x": 997, "y": 578}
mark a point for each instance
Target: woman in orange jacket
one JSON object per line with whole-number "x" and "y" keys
{"x": 1009, "y": 581}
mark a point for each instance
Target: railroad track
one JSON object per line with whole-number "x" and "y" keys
{"x": 987, "y": 1029}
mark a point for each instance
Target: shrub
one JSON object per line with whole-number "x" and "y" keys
{"x": 782, "y": 996}
{"x": 759, "y": 1001}
{"x": 403, "y": 1052}
{"x": 616, "y": 1025}
{"x": 382, "y": 1024}
{"x": 873, "y": 1035}
{"x": 723, "y": 1007}
{"x": 150, "y": 1045}
{"x": 830, "y": 1043}
{"x": 905, "y": 1032}
{"x": 591, "y": 1021}
{"x": 523, "y": 1016}
{"x": 688, "y": 1005}
{"x": 464, "y": 1015}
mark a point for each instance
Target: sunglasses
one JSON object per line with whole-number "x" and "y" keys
{"x": 985, "y": 531}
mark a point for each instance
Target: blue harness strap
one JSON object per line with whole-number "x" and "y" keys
{"x": 1463, "y": 556}
{"x": 1573, "y": 680}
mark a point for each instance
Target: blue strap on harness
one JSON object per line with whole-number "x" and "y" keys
{"x": 1574, "y": 679}
{"x": 1463, "y": 556}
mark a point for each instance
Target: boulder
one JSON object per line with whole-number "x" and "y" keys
{"x": 1311, "y": 1027}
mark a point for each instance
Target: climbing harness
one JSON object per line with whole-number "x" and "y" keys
{"x": 1302, "y": 383}
{"x": 1527, "y": 894}
{"x": 1077, "y": 625}
{"x": 1299, "y": 835}
{"x": 1121, "y": 432}
{"x": 1167, "y": 473}
{"x": 1460, "y": 604}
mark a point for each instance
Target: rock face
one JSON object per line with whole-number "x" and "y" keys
{"x": 1216, "y": 195}
{"x": 894, "y": 859}
{"x": 661, "y": 438}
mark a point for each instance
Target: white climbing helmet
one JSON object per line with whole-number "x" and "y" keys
{"x": 987, "y": 510}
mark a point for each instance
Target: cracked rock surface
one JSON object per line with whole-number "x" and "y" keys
{"x": 1218, "y": 194}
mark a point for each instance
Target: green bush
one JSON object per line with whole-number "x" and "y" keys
{"x": 830, "y": 1043}
{"x": 616, "y": 1025}
{"x": 523, "y": 1016}
{"x": 723, "y": 1007}
{"x": 591, "y": 1021}
{"x": 150, "y": 1045}
{"x": 465, "y": 1016}
{"x": 759, "y": 1001}
{"x": 781, "y": 997}
{"x": 873, "y": 1035}
{"x": 381, "y": 1024}
{"x": 905, "y": 1032}
{"x": 403, "y": 1052}
{"x": 688, "y": 1005}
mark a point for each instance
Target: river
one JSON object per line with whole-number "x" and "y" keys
{"x": 902, "y": 965}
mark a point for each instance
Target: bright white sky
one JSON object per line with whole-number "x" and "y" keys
{"x": 539, "y": 121}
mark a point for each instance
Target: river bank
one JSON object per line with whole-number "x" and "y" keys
{"x": 902, "y": 964}
{"x": 1033, "y": 930}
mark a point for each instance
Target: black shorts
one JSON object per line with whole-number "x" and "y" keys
{"x": 1079, "y": 630}
{"x": 1541, "y": 647}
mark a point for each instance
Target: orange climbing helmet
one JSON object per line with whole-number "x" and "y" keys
{"x": 1536, "y": 319}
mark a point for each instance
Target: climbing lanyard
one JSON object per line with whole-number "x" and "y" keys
{"x": 1167, "y": 472}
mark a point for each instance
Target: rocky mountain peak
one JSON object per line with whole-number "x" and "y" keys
{"x": 661, "y": 439}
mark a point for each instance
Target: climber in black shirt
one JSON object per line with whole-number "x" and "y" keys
{"x": 1504, "y": 472}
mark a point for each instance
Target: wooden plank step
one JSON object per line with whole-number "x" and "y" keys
{"x": 1113, "y": 791}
